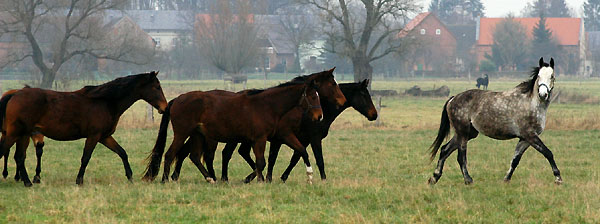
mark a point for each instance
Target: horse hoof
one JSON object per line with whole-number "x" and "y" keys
{"x": 5, "y": 174}
{"x": 17, "y": 178}
{"x": 36, "y": 180}
{"x": 468, "y": 182}
{"x": 284, "y": 178}
{"x": 210, "y": 180}
{"x": 224, "y": 179}
{"x": 432, "y": 181}
{"x": 558, "y": 181}
{"x": 28, "y": 184}
{"x": 174, "y": 178}
{"x": 79, "y": 181}
{"x": 507, "y": 181}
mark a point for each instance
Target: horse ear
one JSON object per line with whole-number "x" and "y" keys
{"x": 365, "y": 83}
{"x": 331, "y": 70}
{"x": 552, "y": 63}
{"x": 541, "y": 62}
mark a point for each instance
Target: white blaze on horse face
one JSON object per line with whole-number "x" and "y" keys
{"x": 545, "y": 82}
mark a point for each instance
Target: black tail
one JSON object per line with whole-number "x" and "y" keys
{"x": 442, "y": 133}
{"x": 3, "y": 102}
{"x": 156, "y": 156}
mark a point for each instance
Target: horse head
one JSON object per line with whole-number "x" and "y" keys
{"x": 152, "y": 93}
{"x": 545, "y": 79}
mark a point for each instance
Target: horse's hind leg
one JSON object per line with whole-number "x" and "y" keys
{"x": 20, "y": 154}
{"x": 38, "y": 142}
{"x": 462, "y": 161}
{"x": 537, "y": 143}
{"x": 178, "y": 141}
{"x": 5, "y": 171}
{"x": 181, "y": 155}
{"x": 90, "y": 145}
{"x": 197, "y": 150}
{"x": 112, "y": 144}
{"x": 447, "y": 149}
{"x": 519, "y": 150}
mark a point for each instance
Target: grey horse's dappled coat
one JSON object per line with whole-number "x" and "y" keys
{"x": 516, "y": 113}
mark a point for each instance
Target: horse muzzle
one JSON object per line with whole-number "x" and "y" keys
{"x": 543, "y": 92}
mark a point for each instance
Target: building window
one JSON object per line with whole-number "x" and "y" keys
{"x": 422, "y": 31}
{"x": 157, "y": 40}
{"x": 438, "y": 32}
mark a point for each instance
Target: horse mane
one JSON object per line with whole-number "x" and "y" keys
{"x": 295, "y": 81}
{"x": 528, "y": 85}
{"x": 114, "y": 89}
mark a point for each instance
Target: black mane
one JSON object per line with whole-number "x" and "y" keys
{"x": 115, "y": 89}
{"x": 528, "y": 85}
{"x": 298, "y": 80}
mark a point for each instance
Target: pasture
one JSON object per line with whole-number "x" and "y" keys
{"x": 375, "y": 174}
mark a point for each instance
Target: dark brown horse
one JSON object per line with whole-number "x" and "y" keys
{"x": 329, "y": 93}
{"x": 516, "y": 113}
{"x": 209, "y": 117}
{"x": 91, "y": 112}
{"x": 312, "y": 133}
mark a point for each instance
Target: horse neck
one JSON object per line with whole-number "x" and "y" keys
{"x": 122, "y": 104}
{"x": 331, "y": 111}
{"x": 280, "y": 100}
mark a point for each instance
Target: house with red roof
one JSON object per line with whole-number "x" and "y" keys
{"x": 433, "y": 46}
{"x": 569, "y": 33}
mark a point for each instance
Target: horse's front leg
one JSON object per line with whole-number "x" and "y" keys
{"x": 112, "y": 144}
{"x": 292, "y": 142}
{"x": 259, "y": 153}
{"x": 90, "y": 145}
{"x": 226, "y": 157}
{"x": 519, "y": 150}
{"x": 537, "y": 143}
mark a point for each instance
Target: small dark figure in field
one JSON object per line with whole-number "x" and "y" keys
{"x": 91, "y": 112}
{"x": 517, "y": 113}
{"x": 483, "y": 82}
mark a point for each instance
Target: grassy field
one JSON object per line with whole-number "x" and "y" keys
{"x": 375, "y": 174}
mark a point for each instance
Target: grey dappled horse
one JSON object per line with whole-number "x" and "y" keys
{"x": 516, "y": 113}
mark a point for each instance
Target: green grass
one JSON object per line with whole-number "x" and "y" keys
{"x": 375, "y": 174}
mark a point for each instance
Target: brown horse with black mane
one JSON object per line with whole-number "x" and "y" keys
{"x": 218, "y": 116}
{"x": 91, "y": 112}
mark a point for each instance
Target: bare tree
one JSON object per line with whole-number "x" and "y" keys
{"x": 58, "y": 31}
{"x": 229, "y": 41}
{"x": 298, "y": 30}
{"x": 364, "y": 30}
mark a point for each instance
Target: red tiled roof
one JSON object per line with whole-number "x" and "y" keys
{"x": 412, "y": 24}
{"x": 565, "y": 30}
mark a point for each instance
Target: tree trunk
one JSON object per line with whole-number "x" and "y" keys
{"x": 362, "y": 70}
{"x": 47, "y": 79}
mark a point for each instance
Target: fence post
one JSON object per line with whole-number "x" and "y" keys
{"x": 378, "y": 107}
{"x": 150, "y": 114}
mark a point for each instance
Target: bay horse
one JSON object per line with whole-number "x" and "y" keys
{"x": 210, "y": 118}
{"x": 357, "y": 96}
{"x": 516, "y": 113}
{"x": 91, "y": 112}
{"x": 329, "y": 93}
{"x": 38, "y": 142}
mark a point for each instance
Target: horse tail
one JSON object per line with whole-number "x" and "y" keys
{"x": 442, "y": 133}
{"x": 3, "y": 102}
{"x": 157, "y": 152}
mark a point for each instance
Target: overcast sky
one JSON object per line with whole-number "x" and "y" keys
{"x": 500, "y": 8}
